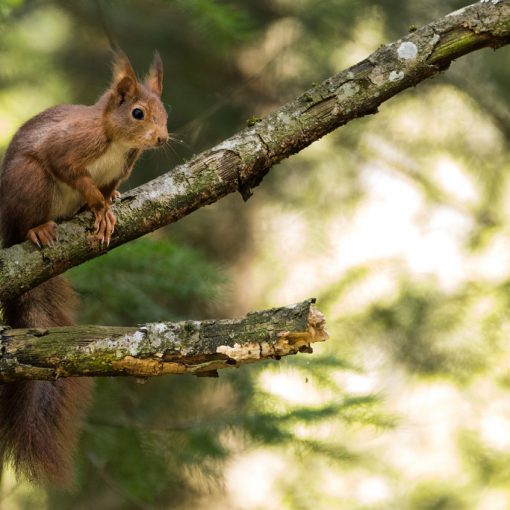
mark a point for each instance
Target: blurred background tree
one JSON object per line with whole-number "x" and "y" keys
{"x": 399, "y": 224}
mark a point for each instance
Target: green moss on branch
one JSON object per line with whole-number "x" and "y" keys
{"x": 241, "y": 162}
{"x": 188, "y": 347}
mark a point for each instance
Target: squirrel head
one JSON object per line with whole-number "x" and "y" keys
{"x": 134, "y": 114}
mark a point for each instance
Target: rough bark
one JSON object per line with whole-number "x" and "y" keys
{"x": 240, "y": 163}
{"x": 188, "y": 347}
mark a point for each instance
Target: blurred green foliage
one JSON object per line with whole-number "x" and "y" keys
{"x": 397, "y": 223}
{"x": 149, "y": 278}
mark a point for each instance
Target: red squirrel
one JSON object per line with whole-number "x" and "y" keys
{"x": 63, "y": 159}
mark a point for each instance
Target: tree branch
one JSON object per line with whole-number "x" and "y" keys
{"x": 188, "y": 347}
{"x": 240, "y": 163}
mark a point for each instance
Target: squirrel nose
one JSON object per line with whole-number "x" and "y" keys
{"x": 161, "y": 140}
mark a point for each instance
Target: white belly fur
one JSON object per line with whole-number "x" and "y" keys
{"x": 103, "y": 170}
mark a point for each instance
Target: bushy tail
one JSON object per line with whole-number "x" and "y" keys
{"x": 39, "y": 420}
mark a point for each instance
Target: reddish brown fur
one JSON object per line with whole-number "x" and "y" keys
{"x": 39, "y": 420}
{"x": 65, "y": 158}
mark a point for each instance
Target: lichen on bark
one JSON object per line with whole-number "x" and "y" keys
{"x": 240, "y": 163}
{"x": 186, "y": 347}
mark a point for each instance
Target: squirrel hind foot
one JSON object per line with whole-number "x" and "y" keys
{"x": 116, "y": 195}
{"x": 44, "y": 235}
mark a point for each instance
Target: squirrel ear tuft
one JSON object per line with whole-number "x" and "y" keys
{"x": 124, "y": 77}
{"x": 154, "y": 79}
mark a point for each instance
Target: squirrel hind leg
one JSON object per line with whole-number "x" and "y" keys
{"x": 44, "y": 235}
{"x": 22, "y": 179}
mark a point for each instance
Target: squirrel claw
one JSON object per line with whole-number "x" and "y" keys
{"x": 43, "y": 235}
{"x": 104, "y": 225}
{"x": 115, "y": 195}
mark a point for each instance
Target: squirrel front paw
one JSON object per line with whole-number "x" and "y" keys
{"x": 104, "y": 225}
{"x": 44, "y": 235}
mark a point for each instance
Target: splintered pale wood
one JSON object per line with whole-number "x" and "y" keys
{"x": 240, "y": 163}
{"x": 188, "y": 347}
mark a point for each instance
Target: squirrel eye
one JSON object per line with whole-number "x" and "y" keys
{"x": 137, "y": 114}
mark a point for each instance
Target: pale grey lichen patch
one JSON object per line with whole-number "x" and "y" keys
{"x": 134, "y": 342}
{"x": 435, "y": 39}
{"x": 184, "y": 173}
{"x": 159, "y": 327}
{"x": 127, "y": 344}
{"x": 153, "y": 339}
{"x": 161, "y": 334}
{"x": 396, "y": 75}
{"x": 494, "y": 2}
{"x": 284, "y": 117}
{"x": 253, "y": 144}
{"x": 232, "y": 144}
{"x": 167, "y": 185}
{"x": 407, "y": 50}
{"x": 138, "y": 336}
{"x": 145, "y": 341}
{"x": 348, "y": 89}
